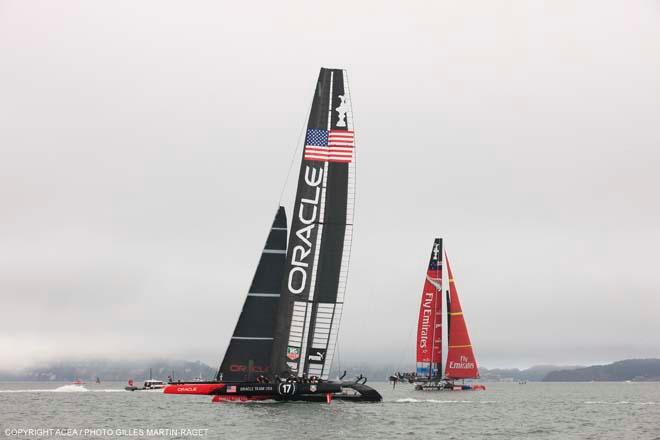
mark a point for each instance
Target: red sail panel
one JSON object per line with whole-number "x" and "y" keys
{"x": 461, "y": 363}
{"x": 429, "y": 325}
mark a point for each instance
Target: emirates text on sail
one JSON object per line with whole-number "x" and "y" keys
{"x": 427, "y": 302}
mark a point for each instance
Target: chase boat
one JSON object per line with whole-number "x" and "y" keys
{"x": 150, "y": 384}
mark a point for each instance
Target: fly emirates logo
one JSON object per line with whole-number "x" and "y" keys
{"x": 427, "y": 302}
{"x": 307, "y": 214}
{"x": 464, "y": 364}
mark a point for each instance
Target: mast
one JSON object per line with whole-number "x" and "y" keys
{"x": 250, "y": 348}
{"x": 448, "y": 320}
{"x": 461, "y": 362}
{"x": 316, "y": 268}
{"x": 429, "y": 324}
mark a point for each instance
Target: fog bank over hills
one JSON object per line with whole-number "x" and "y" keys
{"x": 111, "y": 370}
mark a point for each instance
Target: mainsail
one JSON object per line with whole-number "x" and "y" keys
{"x": 321, "y": 233}
{"x": 429, "y": 326}
{"x": 461, "y": 363}
{"x": 250, "y": 349}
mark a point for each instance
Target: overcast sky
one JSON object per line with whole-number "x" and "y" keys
{"x": 144, "y": 145}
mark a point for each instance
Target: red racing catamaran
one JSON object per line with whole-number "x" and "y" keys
{"x": 460, "y": 363}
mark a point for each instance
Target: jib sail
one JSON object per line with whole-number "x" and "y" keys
{"x": 250, "y": 349}
{"x": 461, "y": 363}
{"x": 321, "y": 233}
{"x": 429, "y": 325}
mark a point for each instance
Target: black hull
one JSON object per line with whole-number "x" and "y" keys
{"x": 448, "y": 386}
{"x": 282, "y": 392}
{"x": 361, "y": 393}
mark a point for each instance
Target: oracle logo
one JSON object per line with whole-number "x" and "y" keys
{"x": 240, "y": 368}
{"x": 186, "y": 389}
{"x": 299, "y": 260}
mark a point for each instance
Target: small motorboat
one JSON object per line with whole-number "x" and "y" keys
{"x": 78, "y": 382}
{"x": 149, "y": 384}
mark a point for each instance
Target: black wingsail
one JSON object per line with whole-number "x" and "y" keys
{"x": 321, "y": 233}
{"x": 250, "y": 350}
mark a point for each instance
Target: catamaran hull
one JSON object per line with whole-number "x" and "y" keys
{"x": 300, "y": 392}
{"x": 142, "y": 389}
{"x": 443, "y": 387}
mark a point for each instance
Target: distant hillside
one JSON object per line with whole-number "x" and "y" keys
{"x": 383, "y": 371}
{"x": 106, "y": 370}
{"x": 630, "y": 369}
{"x": 112, "y": 371}
{"x": 535, "y": 373}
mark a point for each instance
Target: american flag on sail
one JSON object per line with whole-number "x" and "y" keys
{"x": 329, "y": 145}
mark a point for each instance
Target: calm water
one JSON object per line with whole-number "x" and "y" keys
{"x": 504, "y": 411}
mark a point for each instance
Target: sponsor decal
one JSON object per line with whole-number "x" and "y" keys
{"x": 463, "y": 364}
{"x": 301, "y": 255}
{"x": 435, "y": 262}
{"x": 427, "y": 301}
{"x": 317, "y": 356}
{"x": 312, "y": 388}
{"x": 435, "y": 282}
{"x": 293, "y": 353}
{"x": 242, "y": 368}
{"x": 252, "y": 388}
{"x": 341, "y": 110}
{"x": 187, "y": 389}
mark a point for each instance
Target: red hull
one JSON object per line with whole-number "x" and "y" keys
{"x": 238, "y": 398}
{"x": 191, "y": 388}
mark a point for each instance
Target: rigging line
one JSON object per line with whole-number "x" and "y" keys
{"x": 295, "y": 151}
{"x": 338, "y": 356}
{"x": 348, "y": 262}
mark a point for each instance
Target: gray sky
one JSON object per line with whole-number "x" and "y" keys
{"x": 143, "y": 147}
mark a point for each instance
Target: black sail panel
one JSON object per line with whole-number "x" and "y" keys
{"x": 321, "y": 232}
{"x": 250, "y": 350}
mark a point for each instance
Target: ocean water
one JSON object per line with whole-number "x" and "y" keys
{"x": 503, "y": 411}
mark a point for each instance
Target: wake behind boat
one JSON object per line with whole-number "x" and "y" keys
{"x": 461, "y": 363}
{"x": 285, "y": 339}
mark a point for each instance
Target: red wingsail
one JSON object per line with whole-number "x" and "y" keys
{"x": 461, "y": 363}
{"x": 429, "y": 326}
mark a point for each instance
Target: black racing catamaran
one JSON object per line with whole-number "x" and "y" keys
{"x": 285, "y": 339}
